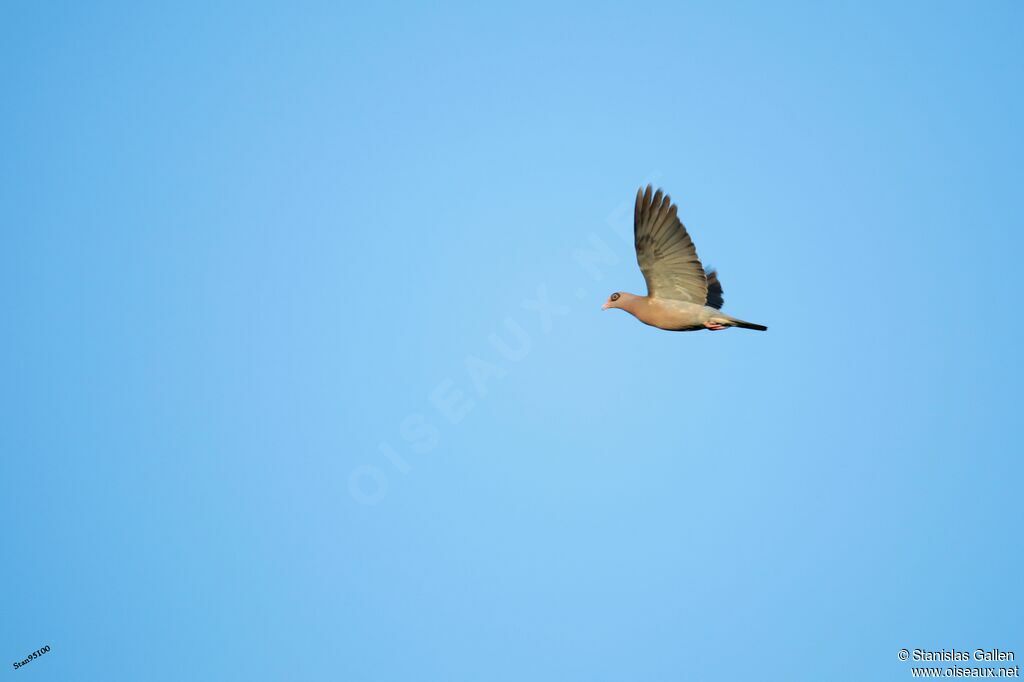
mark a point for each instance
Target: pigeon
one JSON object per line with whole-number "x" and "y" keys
{"x": 681, "y": 295}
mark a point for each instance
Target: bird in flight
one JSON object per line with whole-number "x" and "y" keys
{"x": 681, "y": 295}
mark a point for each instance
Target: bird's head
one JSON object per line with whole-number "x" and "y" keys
{"x": 616, "y": 300}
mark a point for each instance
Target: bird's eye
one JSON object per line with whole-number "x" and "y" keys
{"x": 615, "y": 296}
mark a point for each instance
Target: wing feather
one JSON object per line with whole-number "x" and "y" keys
{"x": 664, "y": 250}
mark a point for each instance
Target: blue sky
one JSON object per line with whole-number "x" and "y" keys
{"x": 305, "y": 378}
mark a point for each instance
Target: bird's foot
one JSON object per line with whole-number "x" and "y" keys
{"x": 714, "y": 326}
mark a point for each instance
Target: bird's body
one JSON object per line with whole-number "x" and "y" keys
{"x": 665, "y": 313}
{"x": 681, "y": 295}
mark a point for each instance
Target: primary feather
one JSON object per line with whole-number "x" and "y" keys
{"x": 665, "y": 253}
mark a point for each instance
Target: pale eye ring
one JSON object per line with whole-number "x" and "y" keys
{"x": 615, "y": 296}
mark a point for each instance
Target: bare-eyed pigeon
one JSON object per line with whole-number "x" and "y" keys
{"x": 681, "y": 295}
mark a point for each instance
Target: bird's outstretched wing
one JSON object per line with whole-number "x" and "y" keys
{"x": 665, "y": 252}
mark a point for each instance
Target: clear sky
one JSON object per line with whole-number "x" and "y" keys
{"x": 305, "y": 375}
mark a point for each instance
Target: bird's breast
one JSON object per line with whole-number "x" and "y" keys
{"x": 669, "y": 314}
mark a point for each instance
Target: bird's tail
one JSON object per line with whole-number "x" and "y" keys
{"x": 747, "y": 325}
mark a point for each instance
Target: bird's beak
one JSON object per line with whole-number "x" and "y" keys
{"x": 606, "y": 306}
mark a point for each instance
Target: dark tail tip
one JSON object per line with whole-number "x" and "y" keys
{"x": 750, "y": 325}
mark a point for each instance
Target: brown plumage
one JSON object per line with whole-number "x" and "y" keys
{"x": 681, "y": 294}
